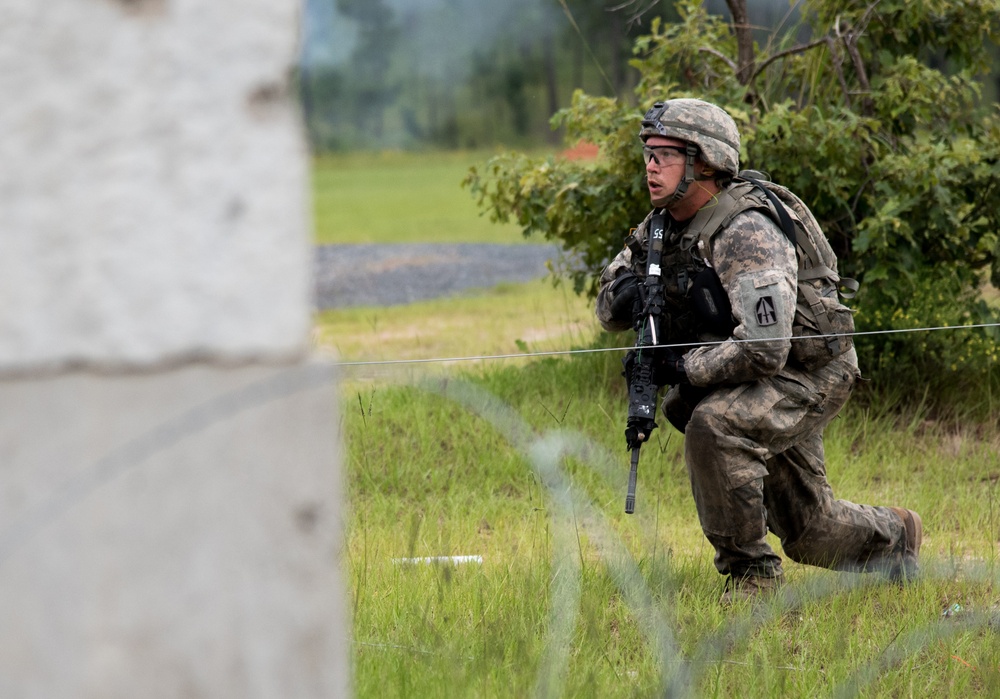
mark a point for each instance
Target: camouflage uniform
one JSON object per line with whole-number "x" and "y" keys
{"x": 753, "y": 434}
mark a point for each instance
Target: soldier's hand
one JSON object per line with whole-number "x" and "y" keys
{"x": 668, "y": 370}
{"x": 625, "y": 297}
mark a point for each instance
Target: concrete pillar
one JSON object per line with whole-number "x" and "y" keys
{"x": 170, "y": 495}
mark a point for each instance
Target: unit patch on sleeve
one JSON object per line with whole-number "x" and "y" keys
{"x": 765, "y": 311}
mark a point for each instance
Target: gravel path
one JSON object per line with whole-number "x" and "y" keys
{"x": 388, "y": 275}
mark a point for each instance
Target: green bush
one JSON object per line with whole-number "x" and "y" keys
{"x": 955, "y": 368}
{"x": 876, "y": 121}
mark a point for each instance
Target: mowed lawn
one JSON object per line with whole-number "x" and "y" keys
{"x": 399, "y": 197}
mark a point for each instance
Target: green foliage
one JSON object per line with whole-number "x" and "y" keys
{"x": 954, "y": 365}
{"x": 877, "y": 122}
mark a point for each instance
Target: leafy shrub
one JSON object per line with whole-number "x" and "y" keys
{"x": 877, "y": 122}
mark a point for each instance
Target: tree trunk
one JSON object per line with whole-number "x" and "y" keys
{"x": 616, "y": 40}
{"x": 578, "y": 68}
{"x": 744, "y": 40}
{"x": 551, "y": 82}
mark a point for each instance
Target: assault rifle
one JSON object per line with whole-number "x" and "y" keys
{"x": 642, "y": 390}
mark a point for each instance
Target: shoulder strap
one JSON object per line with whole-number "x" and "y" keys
{"x": 795, "y": 234}
{"x": 740, "y": 197}
{"x": 784, "y": 220}
{"x": 710, "y": 220}
{"x": 799, "y": 238}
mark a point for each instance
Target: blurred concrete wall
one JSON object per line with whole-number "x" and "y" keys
{"x": 170, "y": 497}
{"x": 153, "y": 182}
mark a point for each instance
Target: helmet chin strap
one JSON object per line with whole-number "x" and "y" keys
{"x": 691, "y": 151}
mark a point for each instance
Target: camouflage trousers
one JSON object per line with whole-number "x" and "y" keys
{"x": 754, "y": 454}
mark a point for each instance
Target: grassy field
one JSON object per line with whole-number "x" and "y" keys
{"x": 521, "y": 465}
{"x": 508, "y": 319}
{"x": 574, "y": 598}
{"x": 397, "y": 197}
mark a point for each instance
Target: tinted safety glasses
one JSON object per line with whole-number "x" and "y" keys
{"x": 662, "y": 154}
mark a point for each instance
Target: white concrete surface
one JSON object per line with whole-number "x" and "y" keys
{"x": 154, "y": 176}
{"x": 172, "y": 534}
{"x": 171, "y": 517}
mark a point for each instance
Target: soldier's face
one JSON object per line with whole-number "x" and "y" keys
{"x": 665, "y": 167}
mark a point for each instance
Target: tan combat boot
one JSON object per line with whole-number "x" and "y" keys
{"x": 750, "y": 587}
{"x": 908, "y": 568}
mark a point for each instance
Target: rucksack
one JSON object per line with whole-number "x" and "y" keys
{"x": 823, "y": 327}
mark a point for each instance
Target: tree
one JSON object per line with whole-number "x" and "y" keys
{"x": 372, "y": 58}
{"x": 875, "y": 119}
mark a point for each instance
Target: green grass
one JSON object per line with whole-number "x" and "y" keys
{"x": 574, "y": 598}
{"x": 508, "y": 319}
{"x": 401, "y": 197}
{"x": 435, "y": 472}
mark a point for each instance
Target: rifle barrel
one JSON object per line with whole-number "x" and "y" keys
{"x": 632, "y": 474}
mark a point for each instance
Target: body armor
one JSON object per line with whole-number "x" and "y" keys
{"x": 698, "y": 305}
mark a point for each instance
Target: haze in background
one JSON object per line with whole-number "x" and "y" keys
{"x": 469, "y": 73}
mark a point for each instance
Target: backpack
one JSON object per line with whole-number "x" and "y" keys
{"x": 823, "y": 327}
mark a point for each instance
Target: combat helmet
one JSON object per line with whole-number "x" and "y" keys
{"x": 695, "y": 121}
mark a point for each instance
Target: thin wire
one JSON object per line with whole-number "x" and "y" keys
{"x": 586, "y": 44}
{"x": 556, "y": 353}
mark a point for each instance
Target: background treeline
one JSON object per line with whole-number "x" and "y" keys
{"x": 470, "y": 73}
{"x": 477, "y": 73}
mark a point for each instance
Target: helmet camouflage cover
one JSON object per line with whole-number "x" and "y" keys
{"x": 702, "y": 123}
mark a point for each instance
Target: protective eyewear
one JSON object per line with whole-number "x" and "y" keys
{"x": 664, "y": 154}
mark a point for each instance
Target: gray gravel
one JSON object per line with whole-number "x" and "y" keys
{"x": 389, "y": 275}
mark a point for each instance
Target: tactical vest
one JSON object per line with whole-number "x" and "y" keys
{"x": 680, "y": 268}
{"x": 822, "y": 326}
